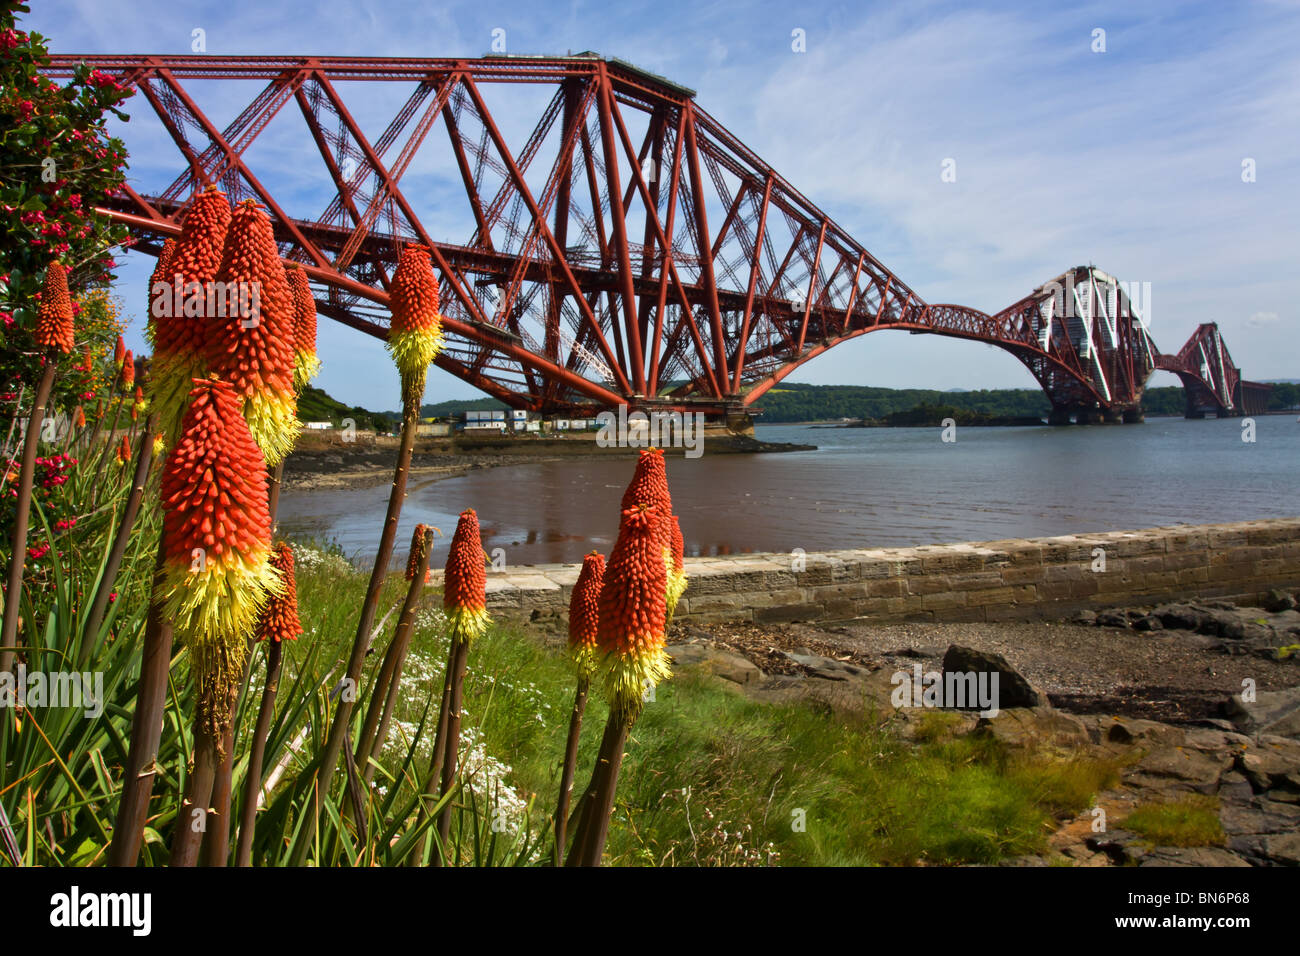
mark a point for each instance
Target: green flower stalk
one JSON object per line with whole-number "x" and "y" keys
{"x": 413, "y": 300}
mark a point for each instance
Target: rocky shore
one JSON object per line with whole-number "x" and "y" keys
{"x": 1197, "y": 704}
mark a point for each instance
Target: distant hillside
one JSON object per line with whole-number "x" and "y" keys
{"x": 795, "y": 402}
{"x": 315, "y": 405}
{"x": 453, "y": 408}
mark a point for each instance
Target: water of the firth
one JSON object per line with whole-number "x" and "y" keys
{"x": 861, "y": 488}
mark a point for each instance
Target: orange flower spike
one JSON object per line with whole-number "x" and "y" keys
{"x": 417, "y": 549}
{"x": 119, "y": 350}
{"x": 178, "y": 335}
{"x": 632, "y": 612}
{"x": 305, "y": 362}
{"x": 584, "y": 613}
{"x": 464, "y": 586}
{"x": 88, "y": 360}
{"x": 124, "y": 449}
{"x": 415, "y": 335}
{"x": 139, "y": 405}
{"x": 80, "y": 420}
{"x": 216, "y": 540}
{"x": 162, "y": 272}
{"x": 128, "y": 370}
{"x": 279, "y": 619}
{"x": 649, "y": 486}
{"x": 254, "y": 352}
{"x": 54, "y": 319}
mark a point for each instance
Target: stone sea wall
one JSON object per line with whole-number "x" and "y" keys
{"x": 971, "y": 581}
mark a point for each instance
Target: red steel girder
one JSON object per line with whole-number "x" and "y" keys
{"x": 715, "y": 317}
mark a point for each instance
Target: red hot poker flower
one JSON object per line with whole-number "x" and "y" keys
{"x": 216, "y": 540}
{"x": 178, "y": 336}
{"x": 417, "y": 552}
{"x": 54, "y": 319}
{"x": 584, "y": 613}
{"x": 464, "y": 586}
{"x": 649, "y": 486}
{"x": 279, "y": 619}
{"x": 632, "y": 616}
{"x": 255, "y": 352}
{"x": 162, "y": 273}
{"x": 128, "y": 370}
{"x": 195, "y": 259}
{"x": 305, "y": 364}
{"x": 415, "y": 336}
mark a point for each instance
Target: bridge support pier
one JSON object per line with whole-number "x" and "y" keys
{"x": 740, "y": 423}
{"x": 1059, "y": 415}
{"x": 1090, "y": 416}
{"x": 1134, "y": 416}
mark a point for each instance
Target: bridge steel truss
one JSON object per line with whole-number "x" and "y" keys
{"x": 628, "y": 250}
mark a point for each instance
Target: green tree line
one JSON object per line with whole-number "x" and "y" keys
{"x": 794, "y": 402}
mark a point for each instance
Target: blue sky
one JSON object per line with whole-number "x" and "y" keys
{"x": 1130, "y": 158}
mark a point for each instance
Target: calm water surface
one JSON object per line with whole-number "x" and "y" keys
{"x": 861, "y": 488}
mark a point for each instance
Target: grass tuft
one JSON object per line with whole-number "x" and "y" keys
{"x": 1190, "y": 821}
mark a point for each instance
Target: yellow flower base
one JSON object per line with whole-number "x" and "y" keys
{"x": 467, "y": 624}
{"x": 631, "y": 676}
{"x": 587, "y": 659}
{"x": 305, "y": 367}
{"x": 676, "y": 588}
{"x": 414, "y": 351}
{"x": 273, "y": 420}
{"x": 221, "y": 602}
{"x": 213, "y": 613}
{"x": 171, "y": 379}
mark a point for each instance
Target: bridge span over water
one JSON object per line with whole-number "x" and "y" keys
{"x": 620, "y": 246}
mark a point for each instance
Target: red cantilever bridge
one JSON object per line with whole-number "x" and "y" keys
{"x": 610, "y": 241}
